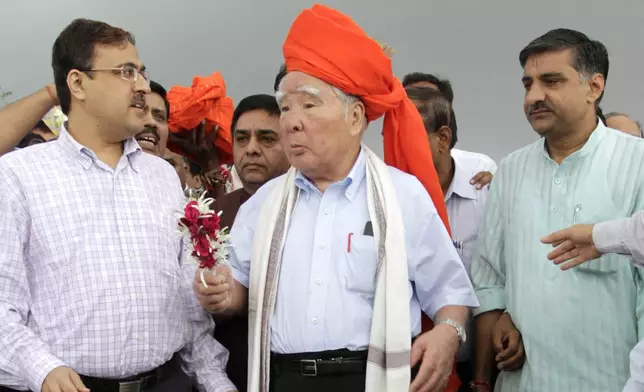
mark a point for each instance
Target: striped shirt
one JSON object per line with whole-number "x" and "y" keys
{"x": 91, "y": 271}
{"x": 578, "y": 326}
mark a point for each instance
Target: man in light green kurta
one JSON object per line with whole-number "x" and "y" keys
{"x": 578, "y": 327}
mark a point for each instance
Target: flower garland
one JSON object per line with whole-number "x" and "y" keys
{"x": 208, "y": 243}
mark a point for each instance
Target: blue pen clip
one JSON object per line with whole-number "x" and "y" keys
{"x": 459, "y": 247}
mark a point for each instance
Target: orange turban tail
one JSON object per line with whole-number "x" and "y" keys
{"x": 205, "y": 100}
{"x": 328, "y": 45}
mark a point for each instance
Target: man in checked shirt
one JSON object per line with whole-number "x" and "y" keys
{"x": 94, "y": 293}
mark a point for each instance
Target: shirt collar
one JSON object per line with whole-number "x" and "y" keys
{"x": 589, "y": 147}
{"x": 460, "y": 183}
{"x": 86, "y": 157}
{"x": 350, "y": 183}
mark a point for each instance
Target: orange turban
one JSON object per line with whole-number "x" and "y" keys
{"x": 329, "y": 46}
{"x": 205, "y": 101}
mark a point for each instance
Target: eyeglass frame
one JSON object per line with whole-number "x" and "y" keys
{"x": 122, "y": 68}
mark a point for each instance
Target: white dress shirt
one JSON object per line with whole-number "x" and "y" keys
{"x": 483, "y": 162}
{"x": 626, "y": 237}
{"x": 465, "y": 206}
{"x": 326, "y": 288}
{"x": 91, "y": 269}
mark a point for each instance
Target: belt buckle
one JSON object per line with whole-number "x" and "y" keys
{"x": 131, "y": 386}
{"x": 309, "y": 367}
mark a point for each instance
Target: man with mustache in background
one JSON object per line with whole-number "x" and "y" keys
{"x": 259, "y": 158}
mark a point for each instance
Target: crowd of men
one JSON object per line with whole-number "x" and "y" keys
{"x": 429, "y": 270}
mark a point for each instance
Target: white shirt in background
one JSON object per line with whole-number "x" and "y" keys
{"x": 465, "y": 206}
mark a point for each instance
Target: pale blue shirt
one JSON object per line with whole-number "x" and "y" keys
{"x": 465, "y": 206}
{"x": 325, "y": 296}
{"x": 578, "y": 326}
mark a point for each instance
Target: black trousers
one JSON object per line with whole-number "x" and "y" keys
{"x": 465, "y": 374}
{"x": 294, "y": 381}
{"x": 179, "y": 382}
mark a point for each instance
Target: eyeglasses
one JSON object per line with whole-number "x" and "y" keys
{"x": 128, "y": 72}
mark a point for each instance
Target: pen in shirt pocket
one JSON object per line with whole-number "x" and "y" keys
{"x": 574, "y": 214}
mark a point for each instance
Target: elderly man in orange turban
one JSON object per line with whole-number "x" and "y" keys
{"x": 346, "y": 251}
{"x": 199, "y": 123}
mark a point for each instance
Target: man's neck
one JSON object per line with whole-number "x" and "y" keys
{"x": 562, "y": 146}
{"x": 445, "y": 171}
{"x": 338, "y": 173}
{"x": 88, "y": 132}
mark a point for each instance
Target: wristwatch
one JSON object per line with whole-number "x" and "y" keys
{"x": 460, "y": 330}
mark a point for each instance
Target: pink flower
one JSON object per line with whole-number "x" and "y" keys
{"x": 191, "y": 212}
{"x": 202, "y": 246}
{"x": 210, "y": 224}
{"x": 207, "y": 262}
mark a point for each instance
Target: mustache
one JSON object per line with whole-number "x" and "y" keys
{"x": 541, "y": 105}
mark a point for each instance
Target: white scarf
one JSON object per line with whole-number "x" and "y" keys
{"x": 388, "y": 368}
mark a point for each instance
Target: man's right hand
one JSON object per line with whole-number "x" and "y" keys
{"x": 510, "y": 354}
{"x": 63, "y": 379}
{"x": 216, "y": 297}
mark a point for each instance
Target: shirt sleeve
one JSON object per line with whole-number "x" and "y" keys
{"x": 488, "y": 264}
{"x": 439, "y": 276}
{"x": 204, "y": 359}
{"x": 488, "y": 164}
{"x": 22, "y": 353}
{"x": 622, "y": 236}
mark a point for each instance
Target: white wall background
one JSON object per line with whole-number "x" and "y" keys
{"x": 474, "y": 43}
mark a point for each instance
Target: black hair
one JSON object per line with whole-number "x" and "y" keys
{"x": 263, "y": 102}
{"x": 435, "y": 110}
{"x": 278, "y": 78}
{"x": 75, "y": 48}
{"x": 30, "y": 139}
{"x": 444, "y": 85}
{"x": 158, "y": 89}
{"x": 588, "y": 56}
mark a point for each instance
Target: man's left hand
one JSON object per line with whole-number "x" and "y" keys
{"x": 482, "y": 179}
{"x": 436, "y": 351}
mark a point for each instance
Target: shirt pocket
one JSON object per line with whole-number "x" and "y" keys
{"x": 598, "y": 209}
{"x": 361, "y": 264}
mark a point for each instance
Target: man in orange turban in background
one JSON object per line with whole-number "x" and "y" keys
{"x": 346, "y": 251}
{"x": 199, "y": 123}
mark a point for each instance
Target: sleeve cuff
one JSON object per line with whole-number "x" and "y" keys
{"x": 490, "y": 299}
{"x": 37, "y": 368}
{"x": 607, "y": 236}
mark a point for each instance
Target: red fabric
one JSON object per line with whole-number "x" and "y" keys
{"x": 205, "y": 100}
{"x": 329, "y": 46}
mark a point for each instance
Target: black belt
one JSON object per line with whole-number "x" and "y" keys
{"x": 321, "y": 364}
{"x": 137, "y": 383}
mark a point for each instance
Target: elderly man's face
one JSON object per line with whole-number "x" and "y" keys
{"x": 318, "y": 131}
{"x": 624, "y": 124}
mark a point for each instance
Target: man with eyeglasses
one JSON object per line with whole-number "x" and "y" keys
{"x": 94, "y": 291}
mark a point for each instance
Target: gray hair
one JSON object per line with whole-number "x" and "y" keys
{"x": 347, "y": 100}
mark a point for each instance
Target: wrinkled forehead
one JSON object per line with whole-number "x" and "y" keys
{"x": 298, "y": 83}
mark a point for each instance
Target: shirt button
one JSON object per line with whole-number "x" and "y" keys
{"x": 318, "y": 281}
{"x": 350, "y": 192}
{"x": 555, "y": 209}
{"x": 322, "y": 246}
{"x": 557, "y": 181}
{"x": 326, "y": 211}
{"x": 315, "y": 320}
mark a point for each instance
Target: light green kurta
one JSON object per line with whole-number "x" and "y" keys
{"x": 578, "y": 326}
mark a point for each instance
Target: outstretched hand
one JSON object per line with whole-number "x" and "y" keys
{"x": 573, "y": 246}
